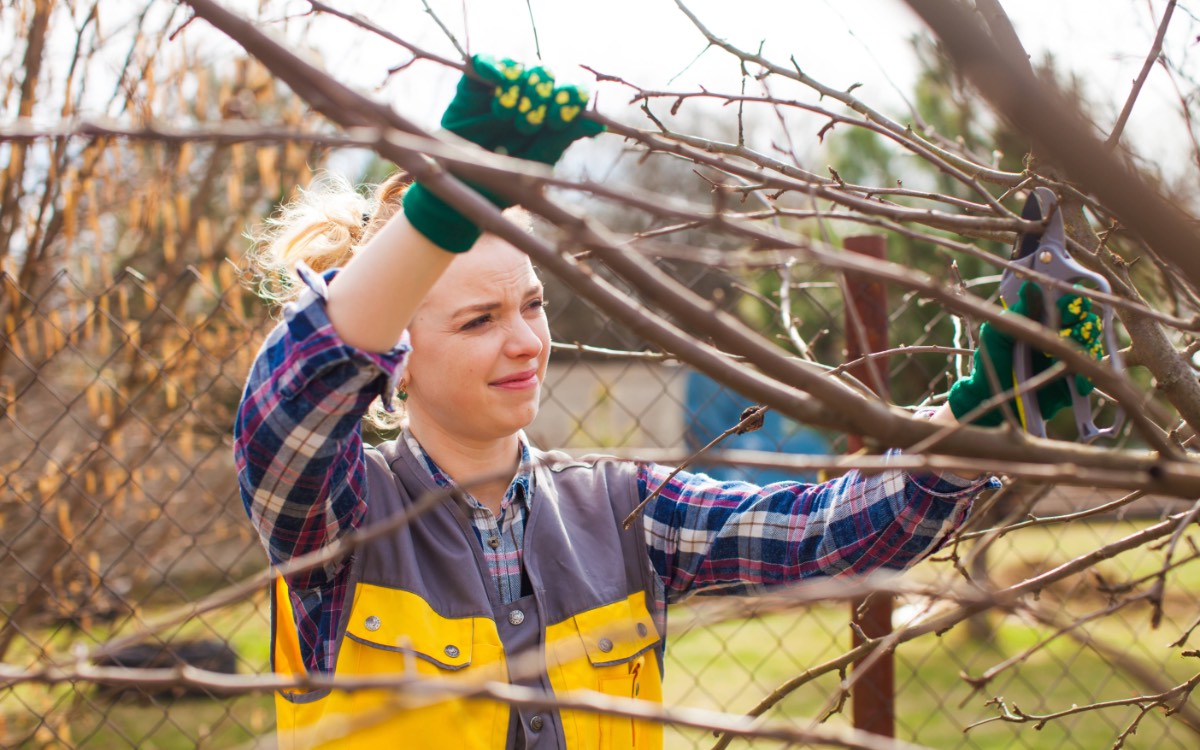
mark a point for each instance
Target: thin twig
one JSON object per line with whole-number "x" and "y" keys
{"x": 412, "y": 692}
{"x": 533, "y": 25}
{"x": 1160, "y": 583}
{"x": 941, "y": 623}
{"x": 1064, "y": 518}
{"x": 366, "y": 25}
{"x": 446, "y": 30}
{"x": 785, "y": 311}
{"x": 978, "y": 683}
{"x": 1065, "y": 474}
{"x": 1155, "y": 50}
{"x": 611, "y": 353}
{"x": 749, "y": 418}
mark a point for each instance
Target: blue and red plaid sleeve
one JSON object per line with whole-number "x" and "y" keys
{"x": 740, "y": 538}
{"x": 298, "y": 436}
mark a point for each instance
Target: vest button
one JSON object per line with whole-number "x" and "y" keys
{"x": 451, "y": 651}
{"x": 516, "y": 617}
{"x": 536, "y": 723}
{"x": 373, "y": 623}
{"x": 605, "y": 645}
{"x": 641, "y": 629}
{"x": 494, "y": 542}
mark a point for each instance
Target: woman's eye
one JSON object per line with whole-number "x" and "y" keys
{"x": 476, "y": 322}
{"x": 538, "y": 304}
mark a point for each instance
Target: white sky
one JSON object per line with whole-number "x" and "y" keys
{"x": 839, "y": 42}
{"x": 649, "y": 42}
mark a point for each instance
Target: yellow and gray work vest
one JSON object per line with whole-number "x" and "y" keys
{"x": 422, "y": 603}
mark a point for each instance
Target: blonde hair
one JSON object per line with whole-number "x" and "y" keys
{"x": 322, "y": 227}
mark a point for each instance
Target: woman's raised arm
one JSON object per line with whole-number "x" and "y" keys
{"x": 372, "y": 300}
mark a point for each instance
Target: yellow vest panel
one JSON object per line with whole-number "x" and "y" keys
{"x": 610, "y": 650}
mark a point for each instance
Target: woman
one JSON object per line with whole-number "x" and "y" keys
{"x": 525, "y": 576}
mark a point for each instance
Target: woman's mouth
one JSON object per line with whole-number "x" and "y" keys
{"x": 518, "y": 381}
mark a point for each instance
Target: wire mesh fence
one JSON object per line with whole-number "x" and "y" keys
{"x": 120, "y": 504}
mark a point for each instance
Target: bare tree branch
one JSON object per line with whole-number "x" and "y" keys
{"x": 1114, "y": 137}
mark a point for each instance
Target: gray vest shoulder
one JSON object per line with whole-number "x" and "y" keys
{"x": 589, "y": 476}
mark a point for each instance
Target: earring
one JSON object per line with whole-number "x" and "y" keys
{"x": 402, "y": 392}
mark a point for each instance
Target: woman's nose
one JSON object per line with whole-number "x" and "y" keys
{"x": 523, "y": 340}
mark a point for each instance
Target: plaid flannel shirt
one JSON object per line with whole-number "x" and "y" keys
{"x": 301, "y": 469}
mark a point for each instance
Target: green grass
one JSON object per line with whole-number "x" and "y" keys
{"x": 732, "y": 665}
{"x": 66, "y": 716}
{"x": 933, "y": 705}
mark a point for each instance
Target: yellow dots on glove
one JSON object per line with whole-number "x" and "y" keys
{"x": 1082, "y": 326}
{"x": 505, "y": 104}
{"x": 511, "y": 71}
{"x": 1087, "y": 331}
{"x": 508, "y": 99}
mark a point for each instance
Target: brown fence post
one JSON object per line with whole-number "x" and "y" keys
{"x": 873, "y": 698}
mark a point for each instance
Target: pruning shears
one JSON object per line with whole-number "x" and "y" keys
{"x": 1046, "y": 253}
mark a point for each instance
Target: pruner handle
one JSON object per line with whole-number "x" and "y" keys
{"x": 1046, "y": 253}
{"x": 1082, "y": 405}
{"x": 1029, "y": 413}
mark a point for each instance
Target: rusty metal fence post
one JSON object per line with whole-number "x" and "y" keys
{"x": 873, "y": 697}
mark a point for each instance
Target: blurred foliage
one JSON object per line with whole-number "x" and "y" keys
{"x": 127, "y": 325}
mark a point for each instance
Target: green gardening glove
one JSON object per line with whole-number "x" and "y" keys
{"x": 1079, "y": 323}
{"x": 513, "y": 110}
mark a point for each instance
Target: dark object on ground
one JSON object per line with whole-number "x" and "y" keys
{"x": 211, "y": 655}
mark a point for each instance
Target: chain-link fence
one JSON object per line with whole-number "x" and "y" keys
{"x": 120, "y": 506}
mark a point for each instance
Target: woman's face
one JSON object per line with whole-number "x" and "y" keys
{"x": 480, "y": 345}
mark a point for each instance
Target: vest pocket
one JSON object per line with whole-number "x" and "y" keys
{"x": 609, "y": 649}
{"x": 617, "y": 632}
{"x": 393, "y": 634}
{"x": 445, "y": 643}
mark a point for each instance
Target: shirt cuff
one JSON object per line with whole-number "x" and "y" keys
{"x": 947, "y": 484}
{"x": 321, "y": 349}
{"x": 950, "y": 485}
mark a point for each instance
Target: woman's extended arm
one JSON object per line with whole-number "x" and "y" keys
{"x": 298, "y": 439}
{"x": 705, "y": 534}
